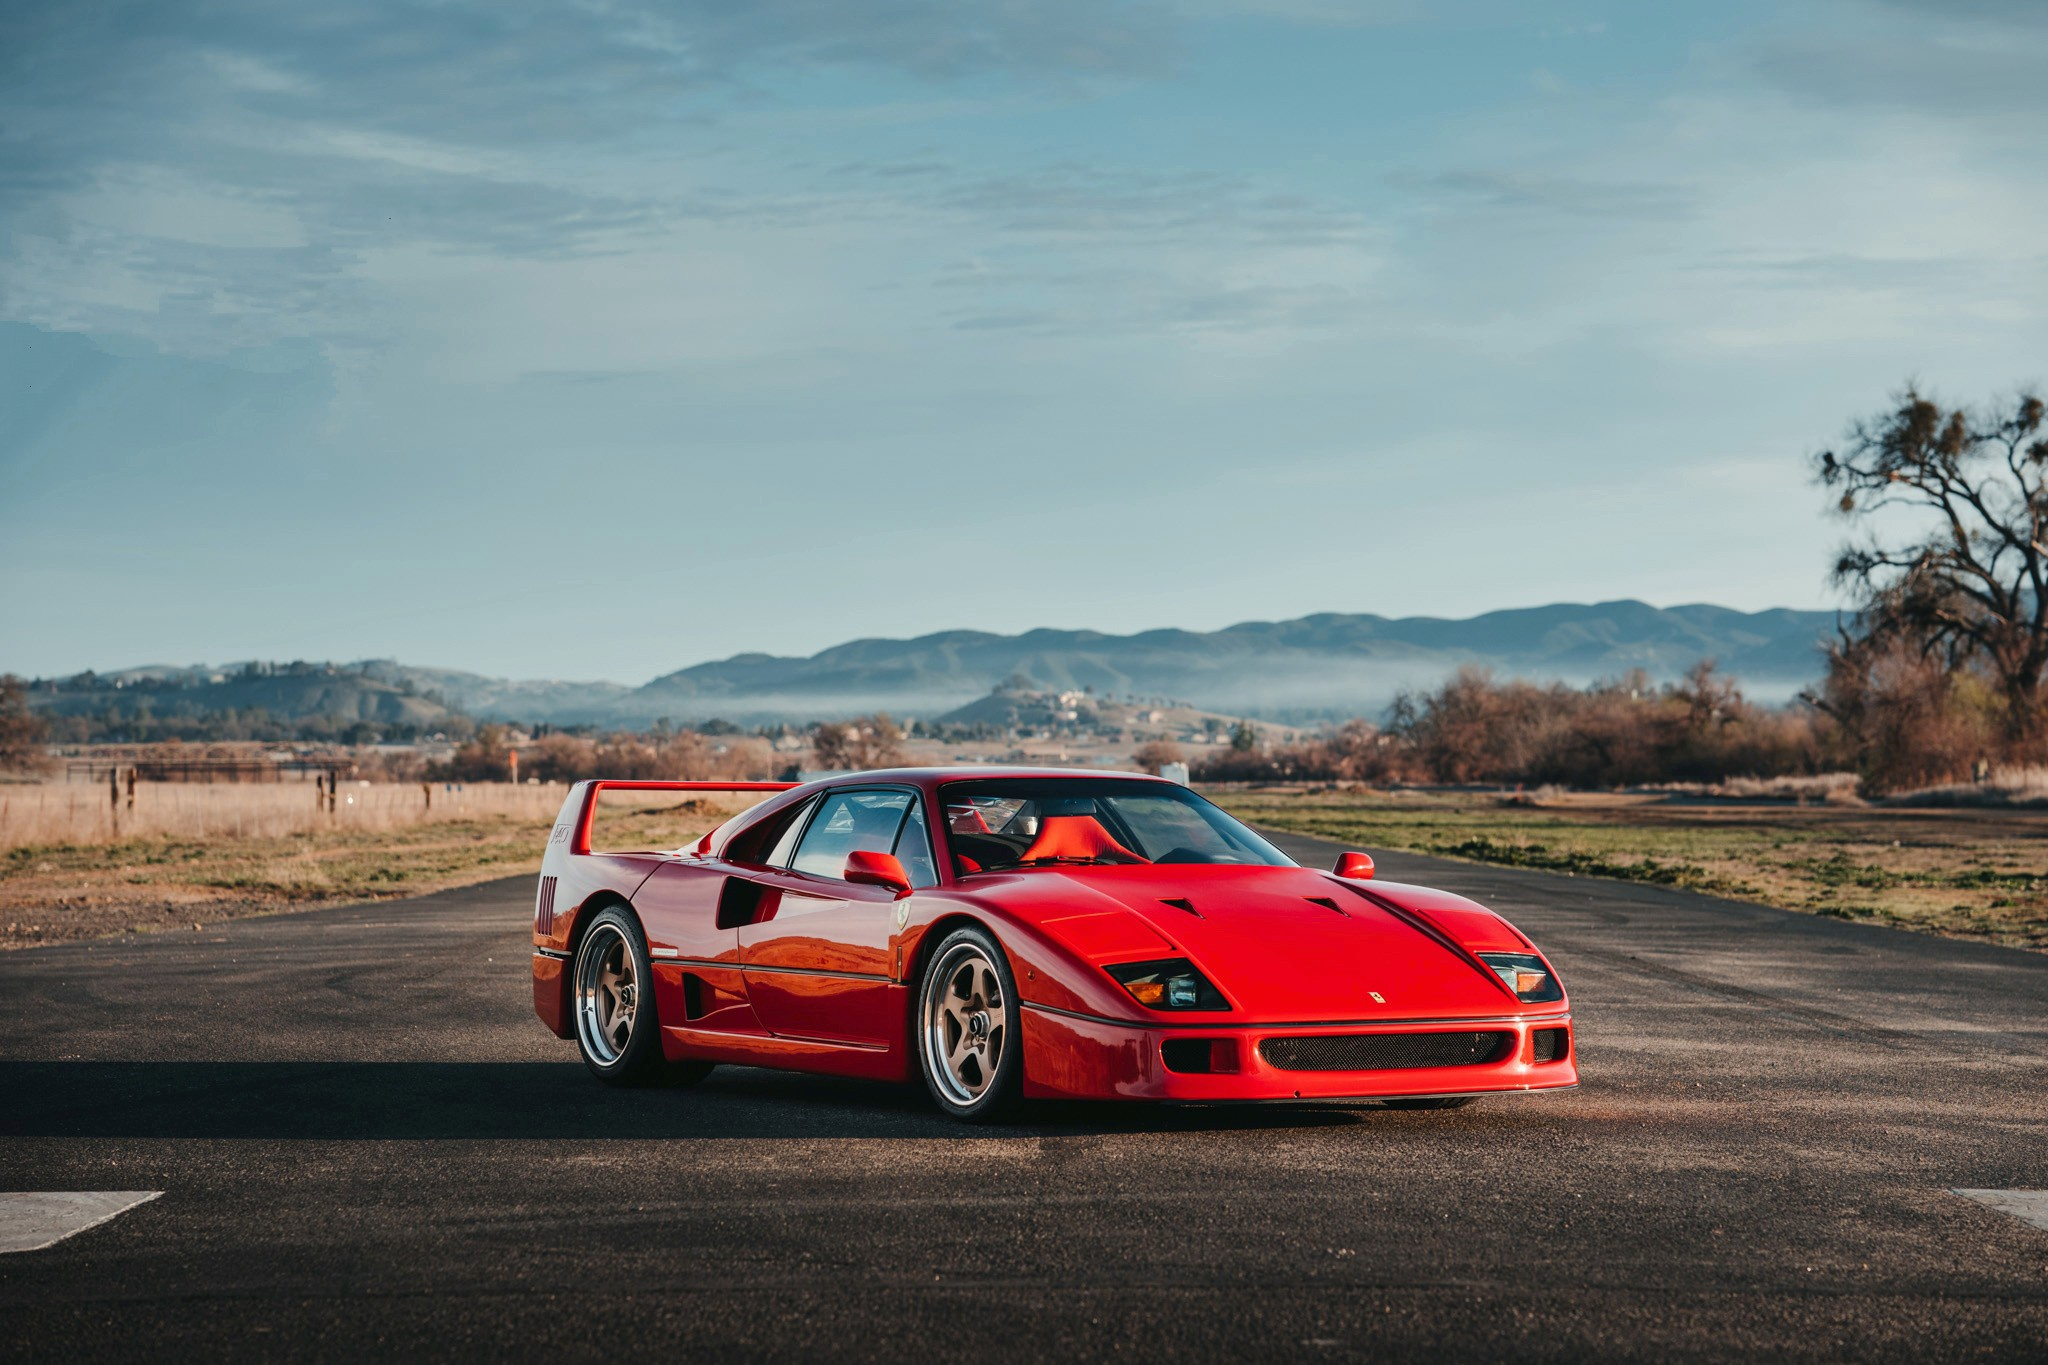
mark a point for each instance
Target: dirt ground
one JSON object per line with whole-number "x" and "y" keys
{"x": 57, "y": 891}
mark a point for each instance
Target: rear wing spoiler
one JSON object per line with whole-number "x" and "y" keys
{"x": 579, "y": 838}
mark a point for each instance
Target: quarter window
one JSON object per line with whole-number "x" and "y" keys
{"x": 914, "y": 849}
{"x": 785, "y": 846}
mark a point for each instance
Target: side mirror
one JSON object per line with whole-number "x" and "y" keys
{"x": 1356, "y": 866}
{"x": 878, "y": 869}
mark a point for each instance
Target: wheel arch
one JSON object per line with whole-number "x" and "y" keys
{"x": 936, "y": 932}
{"x": 915, "y": 965}
{"x": 593, "y": 906}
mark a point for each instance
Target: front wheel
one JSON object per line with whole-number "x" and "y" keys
{"x": 617, "y": 1030}
{"x": 967, "y": 1039}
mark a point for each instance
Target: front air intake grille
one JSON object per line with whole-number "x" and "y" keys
{"x": 1550, "y": 1045}
{"x": 1200, "y": 1056}
{"x": 544, "y": 907}
{"x": 1383, "y": 1051}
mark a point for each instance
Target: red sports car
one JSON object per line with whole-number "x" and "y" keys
{"x": 1013, "y": 933}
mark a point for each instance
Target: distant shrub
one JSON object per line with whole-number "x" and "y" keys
{"x": 1908, "y": 720}
{"x": 22, "y": 731}
{"x": 1152, "y": 756}
{"x": 1623, "y": 732}
{"x": 675, "y": 756}
{"x": 1358, "y": 751}
{"x": 857, "y": 745}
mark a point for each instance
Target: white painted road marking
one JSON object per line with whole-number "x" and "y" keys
{"x": 30, "y": 1221}
{"x": 2029, "y": 1206}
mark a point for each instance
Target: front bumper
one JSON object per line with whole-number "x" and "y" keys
{"x": 1075, "y": 1056}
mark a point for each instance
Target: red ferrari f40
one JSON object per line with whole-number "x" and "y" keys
{"x": 1007, "y": 934}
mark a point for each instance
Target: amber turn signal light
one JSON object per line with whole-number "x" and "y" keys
{"x": 1168, "y": 984}
{"x": 1526, "y": 975}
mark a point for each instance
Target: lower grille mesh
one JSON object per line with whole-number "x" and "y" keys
{"x": 1383, "y": 1051}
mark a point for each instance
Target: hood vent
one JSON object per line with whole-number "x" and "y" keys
{"x": 1181, "y": 903}
{"x": 1327, "y": 904}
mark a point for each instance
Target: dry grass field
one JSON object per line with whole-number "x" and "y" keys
{"x": 189, "y": 855}
{"x": 1970, "y": 873}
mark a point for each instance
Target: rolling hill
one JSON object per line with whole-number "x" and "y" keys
{"x": 1326, "y": 665}
{"x": 1316, "y": 665}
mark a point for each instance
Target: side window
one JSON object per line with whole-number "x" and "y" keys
{"x": 847, "y": 822}
{"x": 914, "y": 849}
{"x": 785, "y": 846}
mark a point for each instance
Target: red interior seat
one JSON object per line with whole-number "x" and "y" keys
{"x": 1076, "y": 836}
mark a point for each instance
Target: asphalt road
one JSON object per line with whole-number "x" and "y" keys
{"x": 368, "y": 1146}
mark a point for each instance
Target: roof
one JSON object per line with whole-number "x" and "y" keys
{"x": 976, "y": 772}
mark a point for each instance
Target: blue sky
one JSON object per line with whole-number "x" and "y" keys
{"x": 593, "y": 340}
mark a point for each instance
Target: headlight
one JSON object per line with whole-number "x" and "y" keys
{"x": 1526, "y": 976}
{"x": 1172, "y": 984}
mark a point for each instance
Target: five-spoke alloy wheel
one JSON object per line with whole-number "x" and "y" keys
{"x": 967, "y": 1021}
{"x": 617, "y": 1029}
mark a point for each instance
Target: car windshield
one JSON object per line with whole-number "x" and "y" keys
{"x": 1049, "y": 822}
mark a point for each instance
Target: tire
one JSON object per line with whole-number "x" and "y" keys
{"x": 618, "y": 1032}
{"x": 969, "y": 1047}
{"x": 1440, "y": 1102}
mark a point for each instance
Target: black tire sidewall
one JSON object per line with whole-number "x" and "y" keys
{"x": 1001, "y": 1098}
{"x": 641, "y": 1063}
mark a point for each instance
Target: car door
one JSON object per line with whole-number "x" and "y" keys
{"x": 692, "y": 910}
{"x": 819, "y": 956}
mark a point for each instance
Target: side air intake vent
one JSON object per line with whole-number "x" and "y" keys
{"x": 1384, "y": 1051}
{"x": 1552, "y": 1044}
{"x": 544, "y": 907}
{"x": 739, "y": 901}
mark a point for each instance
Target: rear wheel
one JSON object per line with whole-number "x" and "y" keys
{"x": 967, "y": 1040}
{"x": 617, "y": 1030}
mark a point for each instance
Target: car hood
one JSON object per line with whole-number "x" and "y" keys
{"x": 1284, "y": 944}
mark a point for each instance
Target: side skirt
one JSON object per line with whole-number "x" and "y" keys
{"x": 867, "y": 1062}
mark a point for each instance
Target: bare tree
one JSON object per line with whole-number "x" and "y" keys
{"x": 22, "y": 731}
{"x": 1153, "y": 755}
{"x": 1964, "y": 578}
{"x": 857, "y": 745}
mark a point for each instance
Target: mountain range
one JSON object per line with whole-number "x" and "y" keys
{"x": 1327, "y": 665}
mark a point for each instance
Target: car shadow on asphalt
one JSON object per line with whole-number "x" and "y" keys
{"x": 551, "y": 1100}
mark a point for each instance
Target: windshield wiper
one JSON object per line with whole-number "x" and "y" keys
{"x": 1070, "y": 861}
{"x": 1050, "y": 862}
